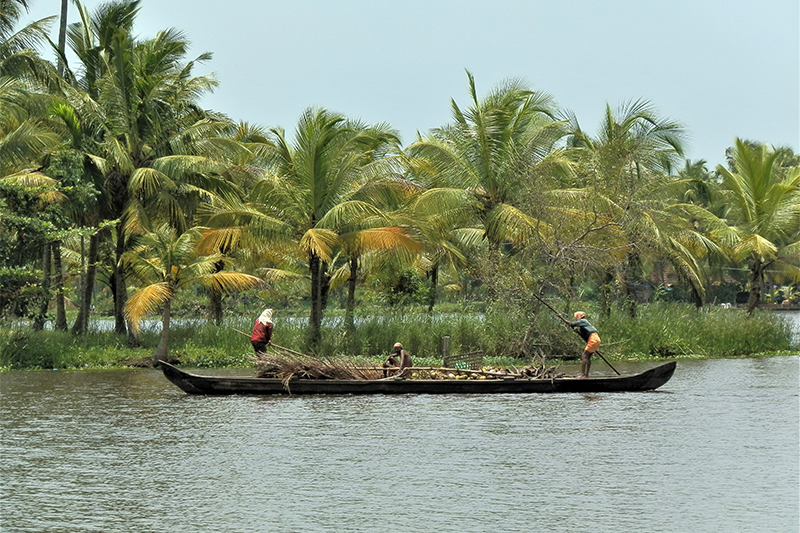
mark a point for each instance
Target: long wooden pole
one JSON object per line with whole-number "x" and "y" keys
{"x": 287, "y": 350}
{"x": 567, "y": 322}
{"x": 272, "y": 344}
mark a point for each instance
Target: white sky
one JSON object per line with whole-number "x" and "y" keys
{"x": 723, "y": 68}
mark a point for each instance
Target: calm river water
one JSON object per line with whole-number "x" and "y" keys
{"x": 125, "y": 451}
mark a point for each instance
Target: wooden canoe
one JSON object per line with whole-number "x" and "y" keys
{"x": 220, "y": 385}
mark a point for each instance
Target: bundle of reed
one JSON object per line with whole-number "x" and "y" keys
{"x": 288, "y": 364}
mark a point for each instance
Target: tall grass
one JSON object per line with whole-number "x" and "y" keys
{"x": 23, "y": 348}
{"x": 674, "y": 330}
{"x": 660, "y": 330}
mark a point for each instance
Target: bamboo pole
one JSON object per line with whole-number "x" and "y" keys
{"x": 273, "y": 344}
{"x": 567, "y": 322}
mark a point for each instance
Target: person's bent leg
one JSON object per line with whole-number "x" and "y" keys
{"x": 586, "y": 363}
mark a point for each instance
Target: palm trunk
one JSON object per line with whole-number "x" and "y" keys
{"x": 434, "y": 287}
{"x": 605, "y": 293}
{"x": 82, "y": 321}
{"x": 120, "y": 288}
{"x": 351, "y": 295}
{"x": 697, "y": 300}
{"x": 631, "y": 270}
{"x": 61, "y": 315}
{"x": 215, "y": 298}
{"x": 315, "y": 320}
{"x": 62, "y": 34}
{"x": 163, "y": 343}
{"x": 41, "y": 316}
{"x": 325, "y": 285}
{"x": 756, "y": 285}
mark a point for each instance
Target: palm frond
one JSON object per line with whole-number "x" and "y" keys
{"x": 228, "y": 281}
{"x": 147, "y": 300}
{"x": 507, "y": 223}
{"x": 755, "y": 245}
{"x": 349, "y": 213}
{"x": 319, "y": 242}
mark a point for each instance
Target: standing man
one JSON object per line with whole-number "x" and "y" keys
{"x": 588, "y": 333}
{"x": 262, "y": 332}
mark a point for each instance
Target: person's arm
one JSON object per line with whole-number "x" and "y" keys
{"x": 579, "y": 323}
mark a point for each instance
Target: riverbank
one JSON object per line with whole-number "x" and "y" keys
{"x": 662, "y": 331}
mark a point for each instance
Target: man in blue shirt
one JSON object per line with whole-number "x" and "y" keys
{"x": 588, "y": 333}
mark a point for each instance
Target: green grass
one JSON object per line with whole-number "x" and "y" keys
{"x": 677, "y": 330}
{"x": 663, "y": 330}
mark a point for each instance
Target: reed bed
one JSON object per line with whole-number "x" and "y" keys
{"x": 662, "y": 330}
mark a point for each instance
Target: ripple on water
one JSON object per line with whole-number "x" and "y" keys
{"x": 123, "y": 451}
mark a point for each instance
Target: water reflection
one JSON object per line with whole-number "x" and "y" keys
{"x": 121, "y": 451}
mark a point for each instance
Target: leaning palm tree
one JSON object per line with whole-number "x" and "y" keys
{"x": 166, "y": 262}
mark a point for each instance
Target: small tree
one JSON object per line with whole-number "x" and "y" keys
{"x": 763, "y": 214}
{"x": 167, "y": 262}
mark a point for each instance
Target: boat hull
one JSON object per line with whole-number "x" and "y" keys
{"x": 220, "y": 385}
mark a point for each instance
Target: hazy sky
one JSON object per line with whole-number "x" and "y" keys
{"x": 723, "y": 68}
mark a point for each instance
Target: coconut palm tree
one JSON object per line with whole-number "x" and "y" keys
{"x": 356, "y": 243}
{"x": 325, "y": 178}
{"x": 494, "y": 149}
{"x": 762, "y": 222}
{"x": 312, "y": 188}
{"x": 153, "y": 151}
{"x": 165, "y": 262}
{"x": 625, "y": 175}
{"x": 447, "y": 229}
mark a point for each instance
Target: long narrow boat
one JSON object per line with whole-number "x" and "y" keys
{"x": 219, "y": 385}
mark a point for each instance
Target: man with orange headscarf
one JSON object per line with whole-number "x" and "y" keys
{"x": 588, "y": 333}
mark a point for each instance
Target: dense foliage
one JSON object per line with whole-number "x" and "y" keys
{"x": 117, "y": 189}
